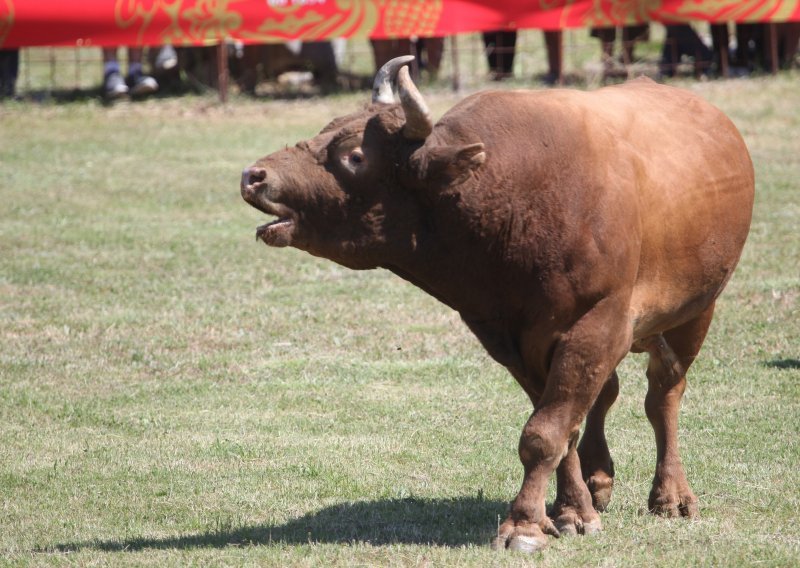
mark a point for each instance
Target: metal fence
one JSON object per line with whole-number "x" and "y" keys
{"x": 77, "y": 72}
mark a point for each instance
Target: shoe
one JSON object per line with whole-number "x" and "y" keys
{"x": 500, "y": 75}
{"x": 114, "y": 85}
{"x": 166, "y": 59}
{"x": 142, "y": 84}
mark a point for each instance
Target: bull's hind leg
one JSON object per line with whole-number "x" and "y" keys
{"x": 572, "y": 511}
{"x": 586, "y": 476}
{"x": 581, "y": 364}
{"x": 670, "y": 358}
{"x": 596, "y": 463}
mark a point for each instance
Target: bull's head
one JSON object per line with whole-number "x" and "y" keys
{"x": 356, "y": 192}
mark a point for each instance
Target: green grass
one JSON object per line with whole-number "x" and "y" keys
{"x": 174, "y": 393}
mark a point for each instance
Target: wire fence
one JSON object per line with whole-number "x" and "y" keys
{"x": 78, "y": 72}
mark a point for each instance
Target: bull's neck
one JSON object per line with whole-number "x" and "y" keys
{"x": 454, "y": 268}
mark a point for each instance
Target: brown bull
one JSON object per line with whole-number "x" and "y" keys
{"x": 566, "y": 228}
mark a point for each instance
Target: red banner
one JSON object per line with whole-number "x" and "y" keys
{"x": 202, "y": 22}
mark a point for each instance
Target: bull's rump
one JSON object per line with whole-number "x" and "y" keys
{"x": 695, "y": 186}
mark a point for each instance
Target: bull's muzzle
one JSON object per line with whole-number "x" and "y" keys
{"x": 257, "y": 186}
{"x": 252, "y": 178}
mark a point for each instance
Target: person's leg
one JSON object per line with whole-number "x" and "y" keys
{"x": 113, "y": 84}
{"x": 9, "y": 68}
{"x": 630, "y": 35}
{"x": 434, "y": 47}
{"x": 506, "y": 49}
{"x": 500, "y": 48}
{"x": 607, "y": 36}
{"x": 555, "y": 56}
{"x": 134, "y": 60}
{"x": 140, "y": 84}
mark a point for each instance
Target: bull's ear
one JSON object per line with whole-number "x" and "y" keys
{"x": 447, "y": 164}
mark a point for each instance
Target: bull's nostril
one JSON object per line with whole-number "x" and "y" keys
{"x": 256, "y": 175}
{"x": 251, "y": 176}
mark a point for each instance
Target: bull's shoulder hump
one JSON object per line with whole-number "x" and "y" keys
{"x": 639, "y": 88}
{"x": 642, "y": 103}
{"x": 503, "y": 102}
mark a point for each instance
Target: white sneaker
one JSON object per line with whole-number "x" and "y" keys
{"x": 166, "y": 59}
{"x": 142, "y": 84}
{"x": 114, "y": 85}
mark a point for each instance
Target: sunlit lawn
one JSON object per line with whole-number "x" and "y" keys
{"x": 173, "y": 392}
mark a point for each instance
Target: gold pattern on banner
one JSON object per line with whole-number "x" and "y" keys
{"x": 207, "y": 21}
{"x": 404, "y": 18}
{"x": 6, "y": 18}
{"x": 605, "y": 13}
{"x": 741, "y": 10}
{"x": 210, "y": 21}
{"x": 354, "y": 18}
{"x": 132, "y": 12}
{"x": 290, "y": 25}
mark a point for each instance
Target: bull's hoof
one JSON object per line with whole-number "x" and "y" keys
{"x": 600, "y": 487}
{"x": 574, "y": 528}
{"x": 520, "y": 543}
{"x": 527, "y": 537}
{"x": 570, "y": 522}
{"x": 673, "y": 504}
{"x": 675, "y": 509}
{"x": 527, "y": 544}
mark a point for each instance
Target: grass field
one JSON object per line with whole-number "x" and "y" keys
{"x": 174, "y": 393}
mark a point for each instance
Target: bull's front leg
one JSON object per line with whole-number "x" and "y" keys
{"x": 582, "y": 362}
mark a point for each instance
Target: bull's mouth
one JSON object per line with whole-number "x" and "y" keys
{"x": 278, "y": 233}
{"x": 256, "y": 190}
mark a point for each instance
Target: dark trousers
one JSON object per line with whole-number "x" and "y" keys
{"x": 683, "y": 40}
{"x": 9, "y": 69}
{"x": 500, "y": 51}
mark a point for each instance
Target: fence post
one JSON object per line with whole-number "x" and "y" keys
{"x": 454, "y": 58}
{"x": 771, "y": 47}
{"x": 222, "y": 71}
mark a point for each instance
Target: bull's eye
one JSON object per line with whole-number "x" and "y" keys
{"x": 353, "y": 160}
{"x": 356, "y": 157}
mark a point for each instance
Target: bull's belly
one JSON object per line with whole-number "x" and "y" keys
{"x": 684, "y": 266}
{"x": 655, "y": 309}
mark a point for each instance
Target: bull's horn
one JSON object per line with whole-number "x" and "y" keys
{"x": 385, "y": 77}
{"x": 418, "y": 118}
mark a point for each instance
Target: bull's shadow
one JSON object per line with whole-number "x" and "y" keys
{"x": 438, "y": 522}
{"x": 783, "y": 364}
